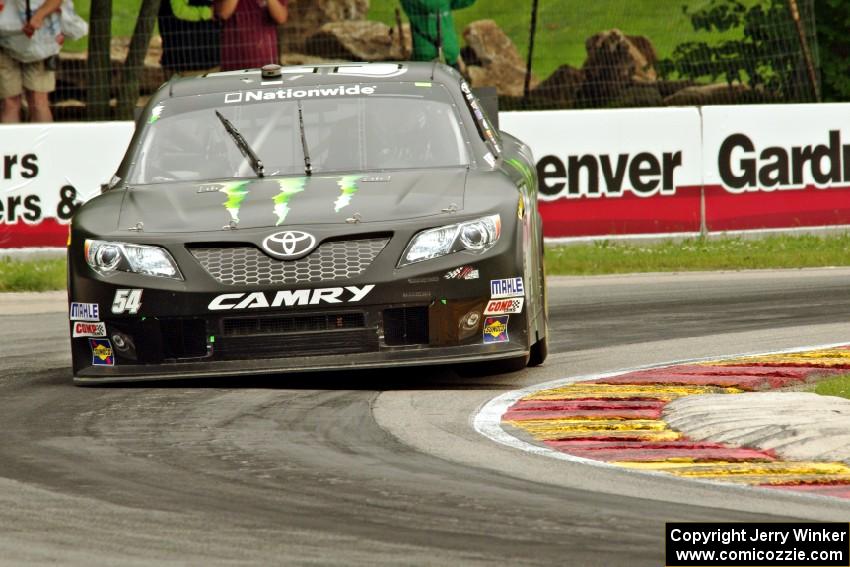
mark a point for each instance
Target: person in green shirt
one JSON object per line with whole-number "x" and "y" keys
{"x": 423, "y": 16}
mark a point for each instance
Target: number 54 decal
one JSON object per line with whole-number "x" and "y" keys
{"x": 127, "y": 301}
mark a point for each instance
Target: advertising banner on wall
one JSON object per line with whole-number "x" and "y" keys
{"x": 48, "y": 170}
{"x": 776, "y": 166}
{"x": 614, "y": 172}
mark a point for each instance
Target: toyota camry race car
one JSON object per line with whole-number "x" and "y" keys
{"x": 310, "y": 218}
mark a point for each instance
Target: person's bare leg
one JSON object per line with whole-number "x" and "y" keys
{"x": 11, "y": 109}
{"x": 39, "y": 106}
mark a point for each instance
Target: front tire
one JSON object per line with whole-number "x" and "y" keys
{"x": 539, "y": 352}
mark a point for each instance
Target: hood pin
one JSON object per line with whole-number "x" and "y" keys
{"x": 354, "y": 219}
{"x": 138, "y": 227}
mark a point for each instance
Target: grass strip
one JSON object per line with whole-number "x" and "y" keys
{"x": 835, "y": 386}
{"x": 603, "y": 257}
{"x": 778, "y": 251}
{"x": 32, "y": 275}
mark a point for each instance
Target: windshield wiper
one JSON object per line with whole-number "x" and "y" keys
{"x": 243, "y": 145}
{"x": 308, "y": 168}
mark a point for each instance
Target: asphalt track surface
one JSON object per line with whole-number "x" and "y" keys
{"x": 375, "y": 467}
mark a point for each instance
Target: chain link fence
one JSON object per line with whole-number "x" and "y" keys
{"x": 539, "y": 54}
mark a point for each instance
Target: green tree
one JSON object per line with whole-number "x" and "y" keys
{"x": 768, "y": 56}
{"x": 833, "y": 23}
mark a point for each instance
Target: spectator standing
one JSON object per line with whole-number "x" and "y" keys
{"x": 190, "y": 36}
{"x": 28, "y": 57}
{"x": 423, "y": 16}
{"x": 249, "y": 32}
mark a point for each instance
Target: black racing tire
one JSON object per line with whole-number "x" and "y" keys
{"x": 539, "y": 352}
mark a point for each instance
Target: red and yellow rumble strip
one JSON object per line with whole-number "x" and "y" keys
{"x": 619, "y": 420}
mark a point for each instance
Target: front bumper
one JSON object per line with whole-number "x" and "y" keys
{"x": 363, "y": 361}
{"x": 411, "y": 316}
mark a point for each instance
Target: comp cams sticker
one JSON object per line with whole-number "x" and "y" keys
{"x": 84, "y": 329}
{"x": 101, "y": 352}
{"x": 510, "y": 287}
{"x": 503, "y": 306}
{"x": 496, "y": 329}
{"x": 85, "y": 312}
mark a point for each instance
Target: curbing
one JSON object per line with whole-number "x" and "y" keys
{"x": 488, "y": 422}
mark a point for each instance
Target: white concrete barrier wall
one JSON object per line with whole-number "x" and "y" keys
{"x": 603, "y": 173}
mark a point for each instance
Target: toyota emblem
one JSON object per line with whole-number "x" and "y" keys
{"x": 289, "y": 245}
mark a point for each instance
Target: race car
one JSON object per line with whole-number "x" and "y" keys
{"x": 306, "y": 218}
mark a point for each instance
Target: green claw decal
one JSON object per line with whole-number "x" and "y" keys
{"x": 155, "y": 113}
{"x": 288, "y": 188}
{"x": 236, "y": 193}
{"x": 524, "y": 170}
{"x": 348, "y": 186}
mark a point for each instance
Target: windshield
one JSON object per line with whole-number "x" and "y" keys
{"x": 410, "y": 126}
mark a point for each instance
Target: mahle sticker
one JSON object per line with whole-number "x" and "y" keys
{"x": 510, "y": 287}
{"x": 496, "y": 329}
{"x": 85, "y": 312}
{"x": 502, "y": 306}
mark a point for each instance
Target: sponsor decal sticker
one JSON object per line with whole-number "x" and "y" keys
{"x": 127, "y": 301}
{"x": 510, "y": 287}
{"x": 462, "y": 273}
{"x": 101, "y": 352}
{"x": 83, "y": 329}
{"x": 501, "y": 306}
{"x": 496, "y": 329}
{"x": 296, "y": 93}
{"x": 85, "y": 312}
{"x": 289, "y": 298}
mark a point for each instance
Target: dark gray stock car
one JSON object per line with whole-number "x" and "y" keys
{"x": 310, "y": 218}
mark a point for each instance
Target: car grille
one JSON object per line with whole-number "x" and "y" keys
{"x": 406, "y": 326}
{"x": 297, "y": 344}
{"x": 292, "y": 324}
{"x": 249, "y": 266}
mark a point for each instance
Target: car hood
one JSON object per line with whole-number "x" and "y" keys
{"x": 278, "y": 201}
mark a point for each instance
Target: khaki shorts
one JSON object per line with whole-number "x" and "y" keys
{"x": 16, "y": 76}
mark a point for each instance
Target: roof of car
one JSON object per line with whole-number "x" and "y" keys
{"x": 311, "y": 75}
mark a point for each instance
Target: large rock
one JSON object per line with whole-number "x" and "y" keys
{"x": 307, "y": 16}
{"x": 304, "y": 59}
{"x": 493, "y": 60}
{"x": 562, "y": 85}
{"x": 700, "y": 95}
{"x": 614, "y": 62}
{"x": 71, "y": 74}
{"x": 357, "y": 40}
